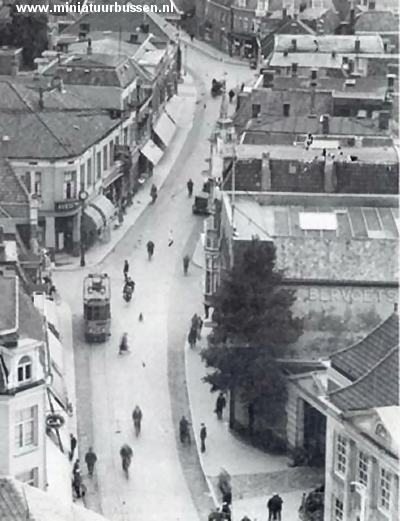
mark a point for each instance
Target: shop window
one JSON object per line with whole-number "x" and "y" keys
{"x": 89, "y": 172}
{"x": 31, "y": 477}
{"x": 384, "y": 490}
{"x": 82, "y": 177}
{"x": 341, "y": 454}
{"x": 98, "y": 164}
{"x": 70, "y": 184}
{"x": 24, "y": 369}
{"x": 26, "y": 426}
{"x": 111, "y": 152}
{"x": 338, "y": 510}
{"x": 105, "y": 157}
{"x": 363, "y": 464}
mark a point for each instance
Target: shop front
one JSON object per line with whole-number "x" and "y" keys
{"x": 66, "y": 226}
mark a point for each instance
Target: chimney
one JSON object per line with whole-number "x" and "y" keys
{"x": 286, "y": 110}
{"x": 89, "y": 46}
{"x": 325, "y": 123}
{"x": 41, "y": 102}
{"x": 371, "y": 5}
{"x": 314, "y": 74}
{"x": 133, "y": 38}
{"x": 284, "y": 13}
{"x": 357, "y": 45}
{"x": 350, "y": 69}
{"x": 384, "y": 118}
{"x": 4, "y": 148}
{"x": 268, "y": 78}
{"x": 294, "y": 69}
{"x": 390, "y": 82}
{"x": 294, "y": 45}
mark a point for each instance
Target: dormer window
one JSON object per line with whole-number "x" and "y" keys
{"x": 381, "y": 431}
{"x": 24, "y": 370}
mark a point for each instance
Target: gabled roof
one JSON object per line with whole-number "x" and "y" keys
{"x": 341, "y": 44}
{"x": 14, "y": 198}
{"x": 378, "y": 387}
{"x": 355, "y": 360}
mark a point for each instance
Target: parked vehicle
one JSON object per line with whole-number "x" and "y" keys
{"x": 201, "y": 204}
{"x": 96, "y": 307}
{"x": 217, "y": 87}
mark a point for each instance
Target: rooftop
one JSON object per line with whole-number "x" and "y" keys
{"x": 377, "y": 387}
{"x": 354, "y": 361}
{"x": 377, "y": 21}
{"x": 52, "y": 132}
{"x": 14, "y": 198}
{"x": 332, "y": 237}
{"x": 323, "y": 44}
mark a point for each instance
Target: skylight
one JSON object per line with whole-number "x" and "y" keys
{"x": 318, "y": 221}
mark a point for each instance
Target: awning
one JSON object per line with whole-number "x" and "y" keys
{"x": 165, "y": 129}
{"x": 95, "y": 216}
{"x": 56, "y": 351}
{"x": 116, "y": 173}
{"x": 152, "y": 152}
{"x": 105, "y": 207}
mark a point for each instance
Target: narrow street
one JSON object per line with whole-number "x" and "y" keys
{"x": 162, "y": 480}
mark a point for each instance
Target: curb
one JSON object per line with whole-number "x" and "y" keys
{"x": 75, "y": 267}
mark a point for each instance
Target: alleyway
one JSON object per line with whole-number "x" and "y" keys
{"x": 109, "y": 386}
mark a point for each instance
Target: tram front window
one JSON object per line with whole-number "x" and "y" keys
{"x": 97, "y": 312}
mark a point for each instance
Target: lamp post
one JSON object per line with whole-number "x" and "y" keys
{"x": 83, "y": 195}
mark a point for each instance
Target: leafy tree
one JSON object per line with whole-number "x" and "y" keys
{"x": 28, "y": 31}
{"x": 254, "y": 324}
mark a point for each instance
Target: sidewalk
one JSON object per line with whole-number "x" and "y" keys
{"x": 211, "y": 52}
{"x": 255, "y": 475}
{"x": 185, "y": 100}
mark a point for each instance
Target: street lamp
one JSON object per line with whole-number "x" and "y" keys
{"x": 83, "y": 195}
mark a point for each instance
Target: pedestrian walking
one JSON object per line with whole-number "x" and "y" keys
{"x": 192, "y": 337}
{"x": 186, "y": 261}
{"x": 199, "y": 327}
{"x": 231, "y": 95}
{"x": 226, "y": 512}
{"x": 123, "y": 346}
{"x": 72, "y": 445}
{"x": 137, "y": 416}
{"x": 126, "y": 268}
{"x": 170, "y": 239}
{"x": 76, "y": 468}
{"x": 274, "y": 506}
{"x": 76, "y": 484}
{"x": 184, "y": 433}
{"x": 189, "y": 185}
{"x": 203, "y": 436}
{"x": 90, "y": 460}
{"x": 220, "y": 405}
{"x": 194, "y": 320}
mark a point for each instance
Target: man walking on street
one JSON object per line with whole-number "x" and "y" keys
{"x": 189, "y": 185}
{"x": 203, "y": 436}
{"x": 90, "y": 460}
{"x": 72, "y": 443}
{"x": 274, "y": 506}
{"x": 76, "y": 483}
{"x": 220, "y": 405}
{"x": 126, "y": 269}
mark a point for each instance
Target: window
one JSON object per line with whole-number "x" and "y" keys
{"x": 82, "y": 177}
{"x": 125, "y": 135}
{"x": 111, "y": 152}
{"x": 363, "y": 463}
{"x": 105, "y": 158}
{"x": 341, "y": 454}
{"x": 89, "y": 172}
{"x": 24, "y": 369}
{"x": 338, "y": 511}
{"x": 26, "y": 427}
{"x": 384, "y": 489}
{"x": 69, "y": 187}
{"x": 255, "y": 110}
{"x": 37, "y": 187}
{"x": 31, "y": 477}
{"x": 98, "y": 164}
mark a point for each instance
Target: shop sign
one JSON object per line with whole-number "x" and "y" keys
{"x": 67, "y": 206}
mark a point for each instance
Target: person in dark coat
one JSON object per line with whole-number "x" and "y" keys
{"x": 189, "y": 185}
{"x": 76, "y": 468}
{"x": 220, "y": 405}
{"x": 192, "y": 337}
{"x": 72, "y": 444}
{"x": 226, "y": 511}
{"x": 231, "y": 95}
{"x": 203, "y": 436}
{"x": 126, "y": 268}
{"x": 90, "y": 459}
{"x": 76, "y": 483}
{"x": 184, "y": 430}
{"x": 274, "y": 506}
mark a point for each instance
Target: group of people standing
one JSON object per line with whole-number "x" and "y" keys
{"x": 196, "y": 326}
{"x": 78, "y": 486}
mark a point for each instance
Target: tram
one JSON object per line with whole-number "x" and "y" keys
{"x": 96, "y": 307}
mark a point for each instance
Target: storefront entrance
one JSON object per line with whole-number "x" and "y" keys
{"x": 314, "y": 434}
{"x": 64, "y": 233}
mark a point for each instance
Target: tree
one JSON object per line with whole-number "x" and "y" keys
{"x": 28, "y": 31}
{"x": 254, "y": 324}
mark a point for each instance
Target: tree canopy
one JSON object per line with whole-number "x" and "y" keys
{"x": 253, "y": 325}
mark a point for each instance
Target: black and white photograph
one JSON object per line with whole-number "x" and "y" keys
{"x": 199, "y": 260}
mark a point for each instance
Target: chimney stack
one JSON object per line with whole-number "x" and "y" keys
{"x": 89, "y": 46}
{"x": 4, "y": 148}
{"x": 384, "y": 118}
{"x": 268, "y": 78}
{"x": 325, "y": 123}
{"x": 294, "y": 45}
{"x": 357, "y": 45}
{"x": 294, "y": 69}
{"x": 286, "y": 110}
{"x": 284, "y": 13}
{"x": 390, "y": 82}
